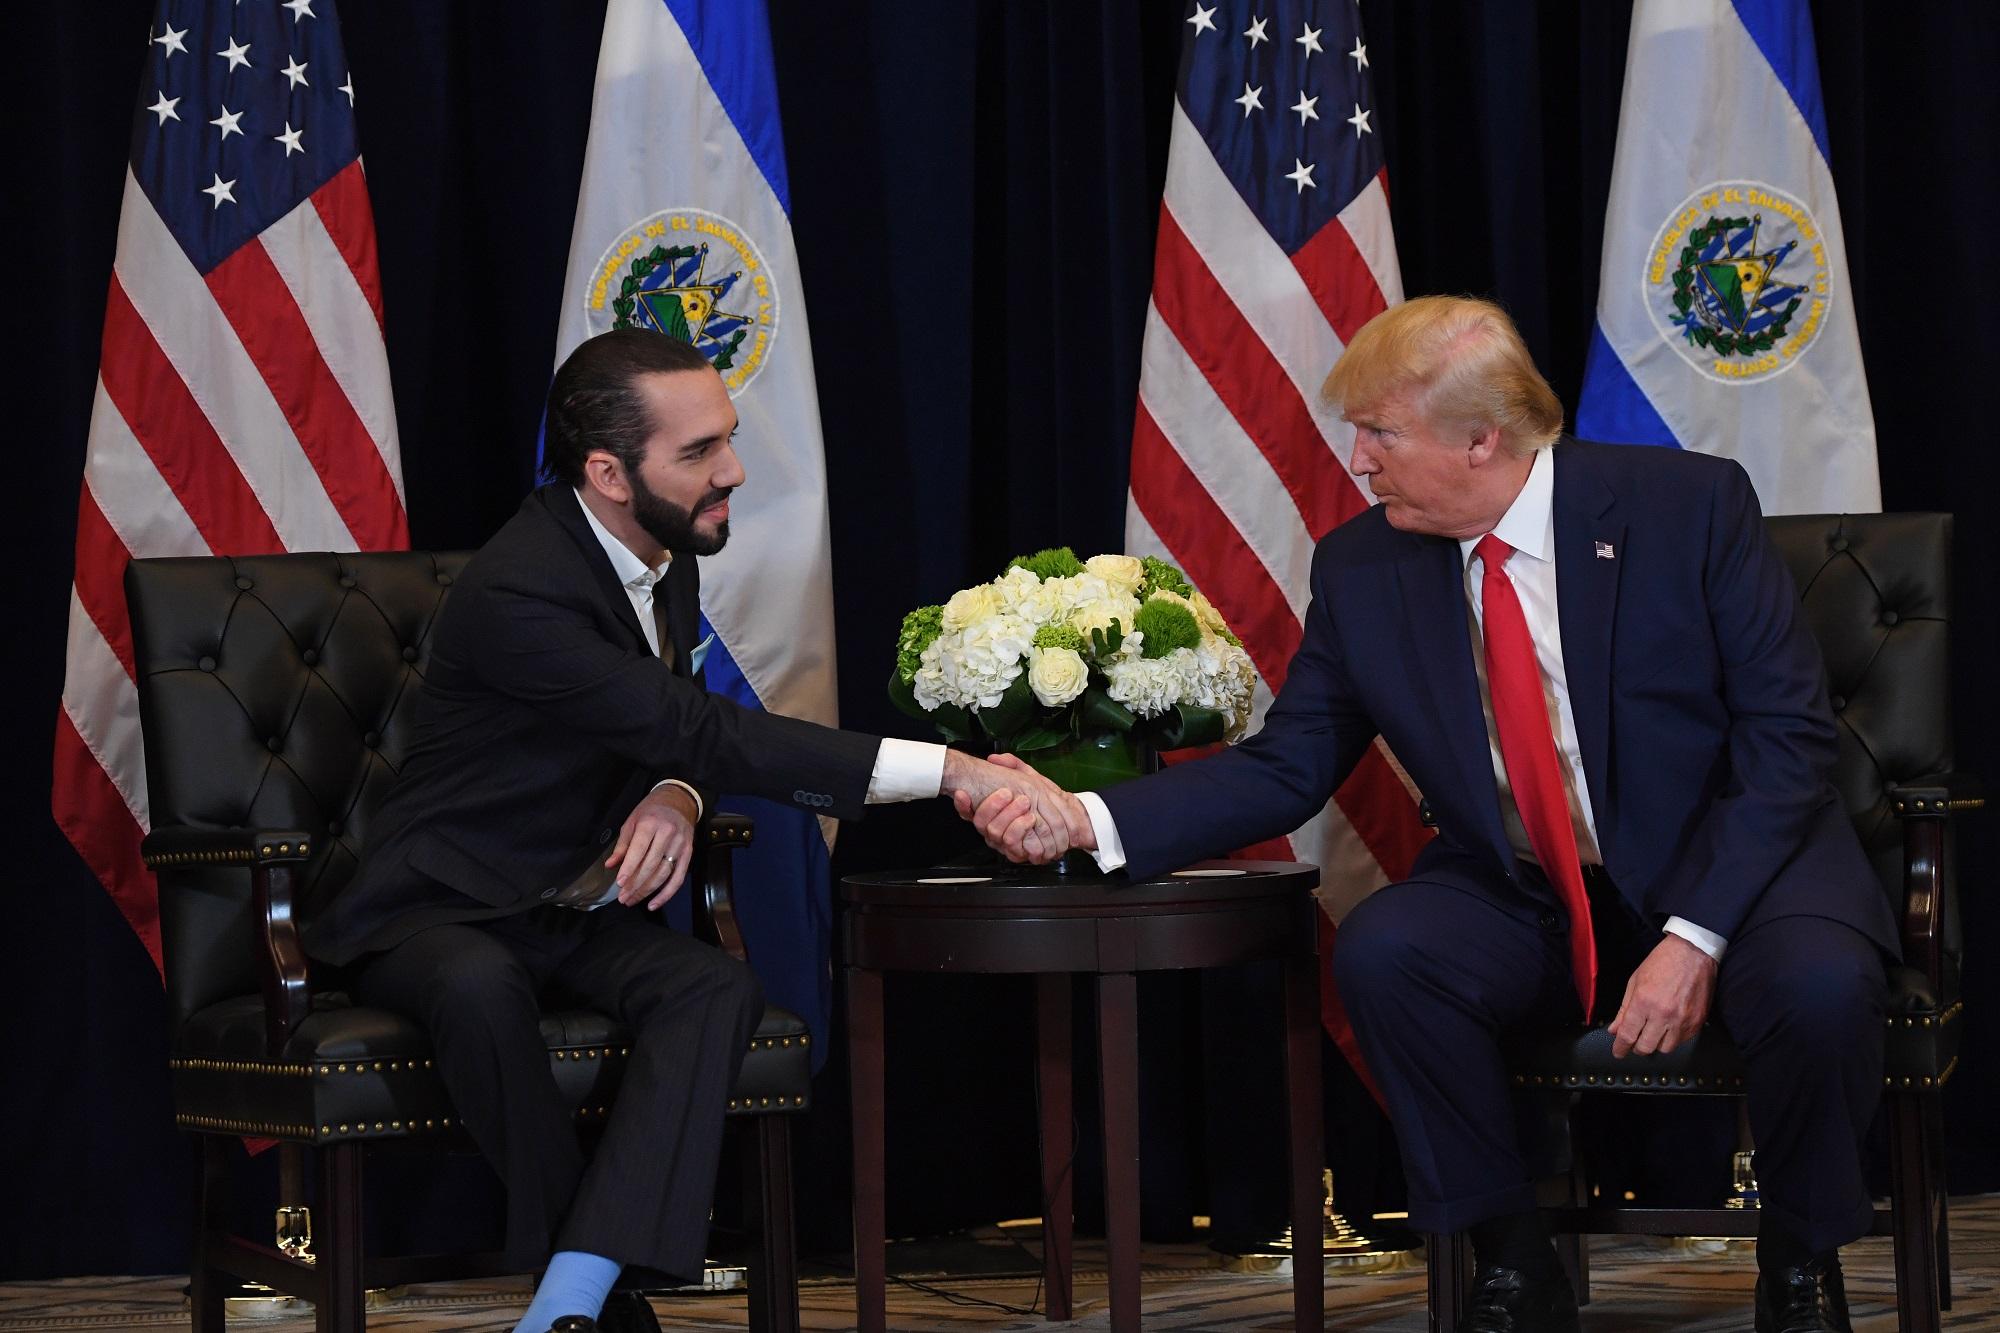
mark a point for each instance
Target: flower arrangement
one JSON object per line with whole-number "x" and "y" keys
{"x": 1076, "y": 665}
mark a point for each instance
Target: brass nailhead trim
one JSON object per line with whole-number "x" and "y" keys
{"x": 260, "y": 1127}
{"x": 242, "y": 1067}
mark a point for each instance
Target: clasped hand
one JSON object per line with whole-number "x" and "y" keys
{"x": 1021, "y": 814}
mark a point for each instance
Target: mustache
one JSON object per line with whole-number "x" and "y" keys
{"x": 713, "y": 498}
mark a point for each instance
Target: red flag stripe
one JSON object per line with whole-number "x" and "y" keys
{"x": 94, "y": 817}
{"x": 163, "y": 416}
{"x": 100, "y": 577}
{"x": 1249, "y": 381}
{"x": 1384, "y": 817}
{"x": 273, "y": 330}
{"x": 344, "y": 210}
{"x": 1211, "y": 552}
{"x": 1338, "y": 277}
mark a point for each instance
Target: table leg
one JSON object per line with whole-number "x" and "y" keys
{"x": 1118, "y": 1075}
{"x": 1057, "y": 1113}
{"x": 1302, "y": 1087}
{"x": 865, "y": 1074}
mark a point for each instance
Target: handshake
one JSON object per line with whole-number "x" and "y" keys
{"x": 1021, "y": 814}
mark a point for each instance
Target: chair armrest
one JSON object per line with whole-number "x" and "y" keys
{"x": 1925, "y": 805}
{"x": 270, "y": 855}
{"x": 1937, "y": 796}
{"x": 714, "y": 908}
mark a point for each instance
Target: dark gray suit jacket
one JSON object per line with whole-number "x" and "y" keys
{"x": 545, "y": 717}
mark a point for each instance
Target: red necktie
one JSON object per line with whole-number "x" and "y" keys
{"x": 1528, "y": 748}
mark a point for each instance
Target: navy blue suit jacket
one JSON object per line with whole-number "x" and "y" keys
{"x": 1699, "y": 698}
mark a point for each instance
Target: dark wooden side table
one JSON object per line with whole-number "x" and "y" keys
{"x": 1023, "y": 919}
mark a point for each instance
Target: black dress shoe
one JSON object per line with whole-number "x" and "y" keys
{"x": 1811, "y": 1298}
{"x": 627, "y": 1312}
{"x": 574, "y": 1323}
{"x": 1506, "y": 1300}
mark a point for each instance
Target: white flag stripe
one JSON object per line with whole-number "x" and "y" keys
{"x": 1256, "y": 274}
{"x": 1367, "y": 221}
{"x": 1224, "y": 459}
{"x": 205, "y": 352}
{"x": 103, "y": 706}
{"x": 130, "y": 492}
{"x": 342, "y": 323}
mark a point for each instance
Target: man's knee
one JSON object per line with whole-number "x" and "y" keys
{"x": 1378, "y": 947}
{"x": 1825, "y": 993}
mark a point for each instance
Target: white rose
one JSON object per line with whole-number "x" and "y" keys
{"x": 1056, "y": 675}
{"x": 1123, "y": 572}
{"x": 1204, "y": 611}
{"x": 970, "y": 606}
{"x": 1100, "y": 613}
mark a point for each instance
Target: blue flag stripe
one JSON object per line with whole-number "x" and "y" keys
{"x": 1612, "y": 406}
{"x": 1783, "y": 32}
{"x": 732, "y": 40}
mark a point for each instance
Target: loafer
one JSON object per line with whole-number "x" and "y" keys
{"x": 1811, "y": 1298}
{"x": 1506, "y": 1300}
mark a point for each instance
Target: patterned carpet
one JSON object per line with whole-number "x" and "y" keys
{"x": 1639, "y": 1287}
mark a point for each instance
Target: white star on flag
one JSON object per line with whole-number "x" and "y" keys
{"x": 220, "y": 191}
{"x": 1360, "y": 54}
{"x": 301, "y": 9}
{"x": 1255, "y": 32}
{"x": 290, "y": 139}
{"x": 235, "y": 55}
{"x": 1310, "y": 41}
{"x": 1203, "y": 20}
{"x": 1252, "y": 99}
{"x": 164, "y": 108}
{"x": 1301, "y": 175}
{"x": 172, "y": 40}
{"x": 1304, "y": 106}
{"x": 226, "y": 122}
{"x": 1359, "y": 120}
{"x": 348, "y": 88}
{"x": 294, "y": 71}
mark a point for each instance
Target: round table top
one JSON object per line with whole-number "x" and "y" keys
{"x": 1012, "y": 887}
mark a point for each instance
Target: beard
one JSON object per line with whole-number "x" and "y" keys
{"x": 672, "y": 526}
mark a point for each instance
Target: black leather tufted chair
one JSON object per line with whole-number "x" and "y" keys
{"x": 275, "y": 695}
{"x": 1877, "y": 597}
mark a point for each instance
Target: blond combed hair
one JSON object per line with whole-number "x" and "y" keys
{"x": 1462, "y": 363}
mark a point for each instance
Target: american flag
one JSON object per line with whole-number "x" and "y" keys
{"x": 1274, "y": 248}
{"x": 242, "y": 403}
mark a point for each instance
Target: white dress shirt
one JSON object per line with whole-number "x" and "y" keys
{"x": 1529, "y": 526}
{"x": 904, "y": 770}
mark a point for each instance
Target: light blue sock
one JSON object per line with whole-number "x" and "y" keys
{"x": 576, "y": 1283}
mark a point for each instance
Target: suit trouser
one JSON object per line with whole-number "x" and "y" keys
{"x": 479, "y": 990}
{"x": 1433, "y": 975}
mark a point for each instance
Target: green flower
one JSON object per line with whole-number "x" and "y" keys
{"x": 1161, "y": 576}
{"x": 920, "y": 627}
{"x": 1167, "y": 626}
{"x": 1055, "y": 562}
{"x": 1061, "y": 636}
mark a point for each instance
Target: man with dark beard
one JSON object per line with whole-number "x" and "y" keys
{"x": 562, "y": 747}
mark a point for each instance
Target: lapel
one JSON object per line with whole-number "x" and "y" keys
{"x": 568, "y": 513}
{"x": 1432, "y": 593}
{"x": 1587, "y": 515}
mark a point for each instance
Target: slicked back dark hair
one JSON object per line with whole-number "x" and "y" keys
{"x": 594, "y": 402}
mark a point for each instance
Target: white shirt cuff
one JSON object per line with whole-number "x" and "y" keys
{"x": 1110, "y": 853}
{"x": 906, "y": 771}
{"x": 1700, "y": 937}
{"x": 693, "y": 795}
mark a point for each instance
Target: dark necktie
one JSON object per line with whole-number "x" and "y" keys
{"x": 1528, "y": 749}
{"x": 662, "y": 630}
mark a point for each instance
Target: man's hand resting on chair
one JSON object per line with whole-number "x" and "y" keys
{"x": 1666, "y": 1001}
{"x": 651, "y": 856}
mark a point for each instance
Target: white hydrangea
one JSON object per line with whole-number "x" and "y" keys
{"x": 974, "y": 666}
{"x": 1056, "y": 675}
{"x": 1048, "y": 602}
{"x": 1147, "y": 686}
{"x": 1221, "y": 677}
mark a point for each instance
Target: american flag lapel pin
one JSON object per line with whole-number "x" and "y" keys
{"x": 1604, "y": 551}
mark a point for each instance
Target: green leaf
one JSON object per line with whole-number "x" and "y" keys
{"x": 1186, "y": 725}
{"x": 1097, "y": 711}
{"x": 1036, "y": 739}
{"x": 904, "y": 695}
{"x": 1091, "y": 764}
{"x": 952, "y": 722}
{"x": 1014, "y": 711}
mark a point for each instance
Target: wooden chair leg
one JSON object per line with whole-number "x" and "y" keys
{"x": 341, "y": 1307}
{"x": 1912, "y": 1192}
{"x": 865, "y": 1079}
{"x": 1055, "y": 1115}
{"x": 774, "y": 1270}
{"x": 1933, "y": 1130}
{"x": 1447, "y": 1257}
{"x": 1118, "y": 1088}
{"x": 207, "y": 1285}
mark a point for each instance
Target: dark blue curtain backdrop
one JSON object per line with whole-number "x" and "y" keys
{"x": 975, "y": 187}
